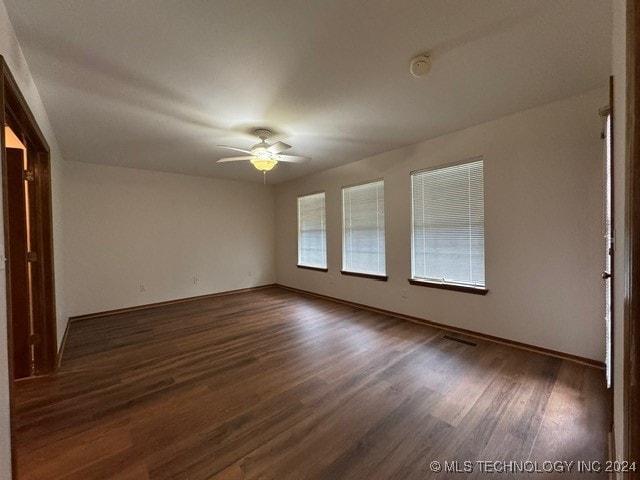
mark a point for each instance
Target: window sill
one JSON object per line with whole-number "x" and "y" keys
{"x": 449, "y": 286}
{"x": 381, "y": 278}
{"x": 317, "y": 269}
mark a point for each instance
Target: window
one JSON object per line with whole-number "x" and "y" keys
{"x": 448, "y": 226}
{"x": 363, "y": 230}
{"x": 312, "y": 232}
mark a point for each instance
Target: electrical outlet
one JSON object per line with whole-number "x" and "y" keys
{"x": 195, "y": 280}
{"x": 143, "y": 288}
{"x": 250, "y": 273}
{"x": 404, "y": 293}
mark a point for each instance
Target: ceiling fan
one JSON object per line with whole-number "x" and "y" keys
{"x": 262, "y": 155}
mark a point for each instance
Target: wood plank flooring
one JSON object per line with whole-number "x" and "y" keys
{"x": 271, "y": 384}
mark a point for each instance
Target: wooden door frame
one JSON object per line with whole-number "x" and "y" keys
{"x": 631, "y": 410}
{"x": 15, "y": 112}
{"x": 608, "y": 113}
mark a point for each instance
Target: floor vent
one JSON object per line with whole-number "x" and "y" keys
{"x": 460, "y": 340}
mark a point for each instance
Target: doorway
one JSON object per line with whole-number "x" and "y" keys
{"x": 28, "y": 236}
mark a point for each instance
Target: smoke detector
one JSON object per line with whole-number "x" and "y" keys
{"x": 420, "y": 65}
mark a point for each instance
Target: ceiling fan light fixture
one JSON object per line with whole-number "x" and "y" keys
{"x": 261, "y": 153}
{"x": 264, "y": 165}
{"x": 263, "y": 156}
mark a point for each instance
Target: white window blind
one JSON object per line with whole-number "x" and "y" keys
{"x": 312, "y": 231}
{"x": 448, "y": 224}
{"x": 363, "y": 229}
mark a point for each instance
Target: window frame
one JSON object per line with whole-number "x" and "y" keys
{"x": 373, "y": 276}
{"x": 432, "y": 283}
{"x": 326, "y": 253}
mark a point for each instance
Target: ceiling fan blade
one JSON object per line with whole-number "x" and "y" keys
{"x": 234, "y": 148}
{"x": 293, "y": 159}
{"x": 234, "y": 159}
{"x": 278, "y": 147}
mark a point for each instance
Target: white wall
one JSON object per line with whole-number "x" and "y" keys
{"x": 10, "y": 50}
{"x": 543, "y": 224}
{"x": 126, "y": 227}
{"x": 619, "y": 152}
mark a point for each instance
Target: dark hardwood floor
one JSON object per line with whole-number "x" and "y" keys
{"x": 273, "y": 384}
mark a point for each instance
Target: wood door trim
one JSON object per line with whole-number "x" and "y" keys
{"x": 42, "y": 270}
{"x": 17, "y": 114}
{"x": 631, "y": 410}
{"x": 19, "y": 111}
{"x": 471, "y": 333}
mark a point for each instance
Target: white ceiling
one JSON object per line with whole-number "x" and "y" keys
{"x": 156, "y": 84}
